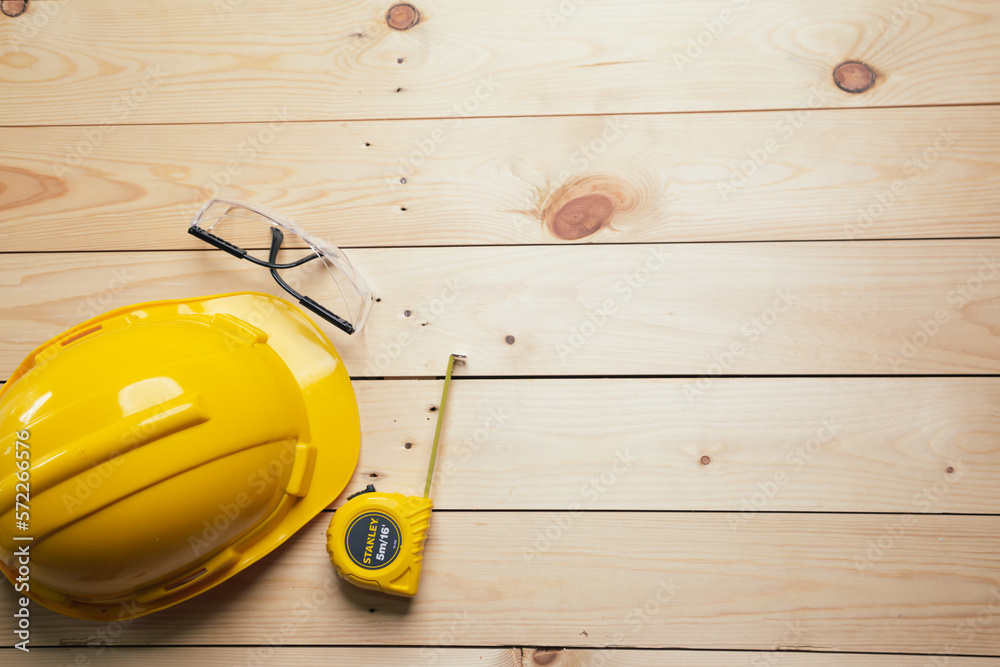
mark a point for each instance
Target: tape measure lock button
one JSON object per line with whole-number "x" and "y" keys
{"x": 368, "y": 489}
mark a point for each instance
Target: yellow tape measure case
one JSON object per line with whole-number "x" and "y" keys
{"x": 376, "y": 540}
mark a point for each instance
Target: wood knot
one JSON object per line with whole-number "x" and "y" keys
{"x": 547, "y": 656}
{"x": 402, "y": 16}
{"x": 584, "y": 207}
{"x": 509, "y": 340}
{"x": 705, "y": 460}
{"x": 854, "y": 77}
{"x": 582, "y": 216}
{"x": 13, "y": 7}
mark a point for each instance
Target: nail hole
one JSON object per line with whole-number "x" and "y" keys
{"x": 367, "y": 145}
{"x": 705, "y": 460}
{"x": 399, "y": 90}
{"x": 433, "y": 408}
{"x": 408, "y": 445}
{"x": 510, "y": 340}
{"x": 402, "y": 180}
{"x": 371, "y": 611}
{"x": 402, "y": 16}
{"x": 373, "y": 475}
{"x": 399, "y": 60}
{"x": 378, "y": 299}
{"x": 402, "y": 208}
{"x": 854, "y": 77}
{"x": 949, "y": 470}
{"x": 406, "y": 313}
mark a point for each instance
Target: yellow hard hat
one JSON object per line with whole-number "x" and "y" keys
{"x": 159, "y": 449}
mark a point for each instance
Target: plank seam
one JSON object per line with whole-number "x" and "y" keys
{"x": 459, "y": 647}
{"x": 688, "y": 112}
{"x": 914, "y": 239}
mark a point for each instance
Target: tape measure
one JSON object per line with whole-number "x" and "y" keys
{"x": 376, "y": 540}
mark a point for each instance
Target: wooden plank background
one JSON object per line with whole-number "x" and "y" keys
{"x": 703, "y": 310}
{"x": 732, "y": 331}
{"x": 240, "y": 60}
{"x": 658, "y": 580}
{"x": 503, "y": 657}
{"x": 757, "y": 176}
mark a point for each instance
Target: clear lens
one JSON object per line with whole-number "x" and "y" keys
{"x": 328, "y": 278}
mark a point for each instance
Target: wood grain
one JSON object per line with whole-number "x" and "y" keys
{"x": 599, "y": 579}
{"x": 693, "y": 310}
{"x": 776, "y": 445}
{"x": 758, "y": 444}
{"x": 833, "y": 174}
{"x": 554, "y": 189}
{"x": 217, "y": 656}
{"x": 237, "y": 60}
{"x": 253, "y": 656}
{"x": 634, "y": 658}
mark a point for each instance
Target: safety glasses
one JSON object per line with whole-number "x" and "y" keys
{"x": 321, "y": 269}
